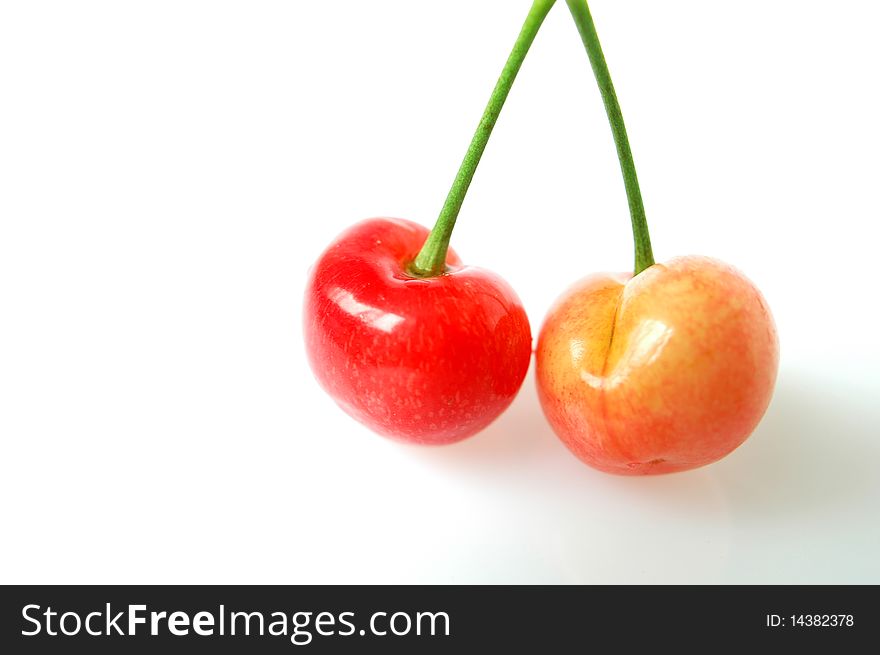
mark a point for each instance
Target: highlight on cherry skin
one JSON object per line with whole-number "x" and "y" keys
{"x": 667, "y": 371}
{"x": 428, "y": 360}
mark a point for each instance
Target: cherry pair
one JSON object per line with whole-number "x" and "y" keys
{"x": 665, "y": 369}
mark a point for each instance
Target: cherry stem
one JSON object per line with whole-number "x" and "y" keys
{"x": 431, "y": 259}
{"x": 580, "y": 11}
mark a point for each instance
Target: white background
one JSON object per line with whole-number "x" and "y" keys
{"x": 170, "y": 169}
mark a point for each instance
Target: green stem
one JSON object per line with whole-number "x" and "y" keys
{"x": 431, "y": 260}
{"x": 580, "y": 11}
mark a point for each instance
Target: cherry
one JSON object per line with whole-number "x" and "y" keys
{"x": 407, "y": 339}
{"x": 428, "y": 360}
{"x": 665, "y": 370}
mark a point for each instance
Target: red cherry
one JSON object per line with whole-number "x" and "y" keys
{"x": 424, "y": 360}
